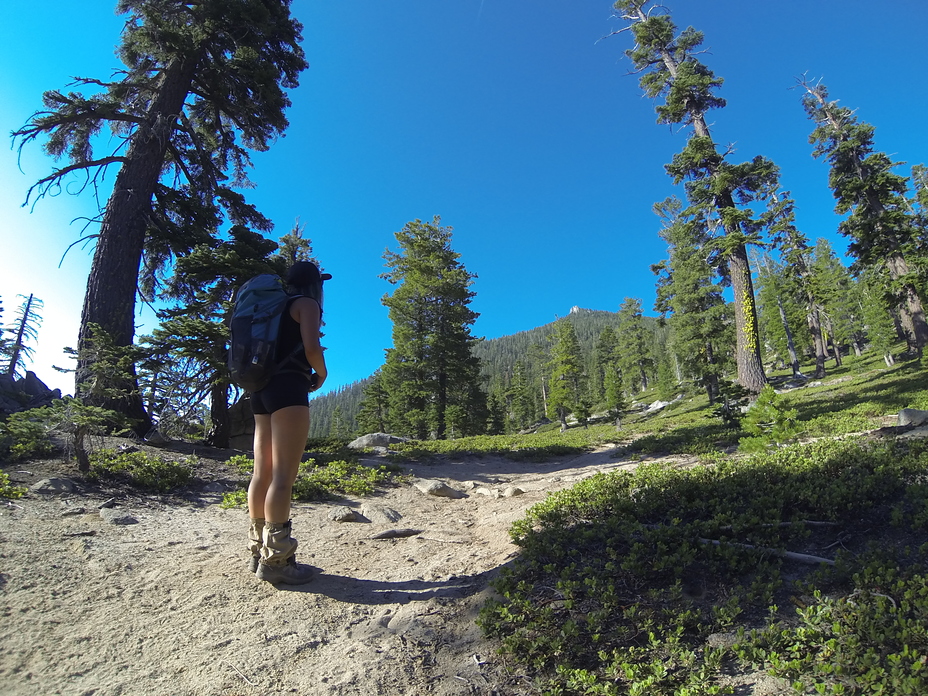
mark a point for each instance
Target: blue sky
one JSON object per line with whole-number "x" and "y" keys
{"x": 508, "y": 119}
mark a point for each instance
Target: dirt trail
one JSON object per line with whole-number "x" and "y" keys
{"x": 166, "y": 606}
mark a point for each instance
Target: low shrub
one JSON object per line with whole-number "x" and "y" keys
{"x": 7, "y": 489}
{"x": 142, "y": 469}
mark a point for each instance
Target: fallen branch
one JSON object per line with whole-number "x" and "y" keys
{"x": 250, "y": 683}
{"x": 792, "y": 556}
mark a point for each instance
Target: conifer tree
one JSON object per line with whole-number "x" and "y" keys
{"x": 431, "y": 365}
{"x": 778, "y": 312}
{"x": 633, "y": 347}
{"x": 713, "y": 185}
{"x": 374, "y": 412}
{"x": 521, "y": 398}
{"x": 880, "y": 225}
{"x": 203, "y": 85}
{"x": 794, "y": 249}
{"x": 565, "y": 368}
{"x": 840, "y": 317}
{"x": 603, "y": 359}
{"x": 196, "y": 332}
{"x": 690, "y": 299}
{"x": 25, "y": 329}
{"x": 881, "y": 333}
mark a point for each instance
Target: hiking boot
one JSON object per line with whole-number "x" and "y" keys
{"x": 289, "y": 573}
{"x": 255, "y": 541}
{"x": 278, "y": 560}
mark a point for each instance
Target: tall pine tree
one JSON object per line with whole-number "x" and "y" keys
{"x": 431, "y": 373}
{"x": 203, "y": 85}
{"x": 671, "y": 69}
{"x": 880, "y": 225}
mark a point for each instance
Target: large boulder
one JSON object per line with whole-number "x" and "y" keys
{"x": 22, "y": 394}
{"x": 375, "y": 440}
{"x": 912, "y": 416}
{"x": 242, "y": 424}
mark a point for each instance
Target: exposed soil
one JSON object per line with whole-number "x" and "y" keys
{"x": 167, "y": 606}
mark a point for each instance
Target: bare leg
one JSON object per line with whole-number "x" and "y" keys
{"x": 289, "y": 429}
{"x": 264, "y": 460}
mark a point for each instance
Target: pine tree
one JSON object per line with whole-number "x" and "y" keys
{"x": 195, "y": 334}
{"x": 633, "y": 347}
{"x": 24, "y": 329}
{"x": 565, "y": 368}
{"x": 690, "y": 299}
{"x": 794, "y": 249}
{"x": 431, "y": 366}
{"x": 203, "y": 84}
{"x": 374, "y": 412}
{"x": 521, "y": 398}
{"x": 713, "y": 185}
{"x": 603, "y": 359}
{"x": 880, "y": 225}
{"x": 778, "y": 312}
{"x": 881, "y": 333}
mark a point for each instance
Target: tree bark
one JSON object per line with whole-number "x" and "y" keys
{"x": 750, "y": 366}
{"x": 18, "y": 342}
{"x": 111, "y": 287}
{"x": 220, "y": 424}
{"x": 912, "y": 311}
{"x": 791, "y": 346}
{"x": 815, "y": 328}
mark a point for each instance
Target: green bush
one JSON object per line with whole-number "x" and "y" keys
{"x": 25, "y": 434}
{"x": 623, "y": 577}
{"x": 142, "y": 469}
{"x": 768, "y": 423}
{"x": 321, "y": 481}
{"x": 7, "y": 489}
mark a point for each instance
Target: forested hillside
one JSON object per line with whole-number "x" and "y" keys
{"x": 336, "y": 412}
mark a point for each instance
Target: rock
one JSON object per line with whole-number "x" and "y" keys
{"x": 32, "y": 385}
{"x": 215, "y": 487}
{"x": 722, "y": 640}
{"x": 911, "y": 416}
{"x": 396, "y": 534}
{"x": 114, "y": 516}
{"x": 154, "y": 437}
{"x": 656, "y": 406}
{"x": 381, "y": 514}
{"x": 375, "y": 440}
{"x": 343, "y": 513}
{"x": 242, "y": 425}
{"x": 53, "y": 485}
{"x": 438, "y": 489}
{"x": 489, "y": 492}
{"x": 512, "y": 492}
{"x": 73, "y": 511}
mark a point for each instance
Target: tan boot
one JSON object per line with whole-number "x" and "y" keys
{"x": 278, "y": 561}
{"x": 255, "y": 541}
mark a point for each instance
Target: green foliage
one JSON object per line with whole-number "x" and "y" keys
{"x": 25, "y": 329}
{"x": 623, "y": 577}
{"x": 7, "y": 489}
{"x": 25, "y": 434}
{"x": 340, "y": 476}
{"x": 768, "y": 422}
{"x": 732, "y": 397}
{"x": 141, "y": 469}
{"x": 431, "y": 366}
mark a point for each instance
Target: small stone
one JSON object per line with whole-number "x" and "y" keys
{"x": 215, "y": 487}
{"x": 490, "y": 493}
{"x": 912, "y": 416}
{"x": 343, "y": 513}
{"x": 437, "y": 488}
{"x": 53, "y": 485}
{"x": 381, "y": 513}
{"x": 113, "y": 516}
{"x": 512, "y": 492}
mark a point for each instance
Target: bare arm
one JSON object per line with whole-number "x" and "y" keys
{"x": 305, "y": 311}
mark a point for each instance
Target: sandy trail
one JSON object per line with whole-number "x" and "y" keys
{"x": 166, "y": 606}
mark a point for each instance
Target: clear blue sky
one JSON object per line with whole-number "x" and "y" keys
{"x": 506, "y": 118}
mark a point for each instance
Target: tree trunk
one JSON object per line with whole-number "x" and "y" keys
{"x": 750, "y": 366}
{"x": 911, "y": 311}
{"x": 220, "y": 423}
{"x": 18, "y": 342}
{"x": 815, "y": 328}
{"x": 791, "y": 346}
{"x": 111, "y": 287}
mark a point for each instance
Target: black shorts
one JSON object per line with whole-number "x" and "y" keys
{"x": 284, "y": 389}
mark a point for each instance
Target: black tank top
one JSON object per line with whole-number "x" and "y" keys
{"x": 290, "y": 338}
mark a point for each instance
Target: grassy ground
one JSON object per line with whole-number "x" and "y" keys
{"x": 805, "y": 561}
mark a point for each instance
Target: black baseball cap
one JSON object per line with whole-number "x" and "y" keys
{"x": 305, "y": 273}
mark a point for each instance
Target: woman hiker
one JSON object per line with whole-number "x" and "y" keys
{"x": 281, "y": 427}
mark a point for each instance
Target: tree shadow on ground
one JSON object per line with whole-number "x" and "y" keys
{"x": 351, "y": 590}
